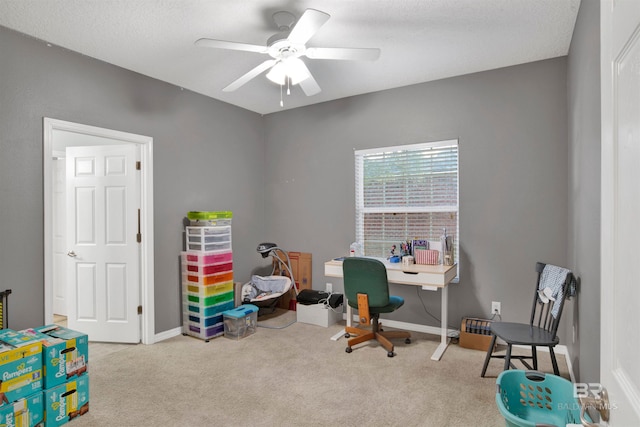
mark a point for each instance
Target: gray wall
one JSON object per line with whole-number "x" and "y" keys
{"x": 583, "y": 70}
{"x": 208, "y": 155}
{"x": 512, "y": 128}
{"x": 288, "y": 177}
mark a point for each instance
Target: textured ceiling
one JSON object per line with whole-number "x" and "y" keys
{"x": 420, "y": 40}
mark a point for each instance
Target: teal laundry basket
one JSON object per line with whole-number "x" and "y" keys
{"x": 531, "y": 398}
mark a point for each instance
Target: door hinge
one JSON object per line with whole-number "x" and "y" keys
{"x": 139, "y": 234}
{"x": 138, "y": 165}
{"x": 139, "y": 309}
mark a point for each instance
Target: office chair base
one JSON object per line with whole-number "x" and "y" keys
{"x": 362, "y": 335}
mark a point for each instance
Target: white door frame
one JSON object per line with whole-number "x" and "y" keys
{"x": 619, "y": 40}
{"x": 146, "y": 247}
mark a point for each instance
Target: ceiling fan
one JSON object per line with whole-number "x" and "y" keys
{"x": 285, "y": 49}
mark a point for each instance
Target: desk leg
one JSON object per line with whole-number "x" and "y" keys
{"x": 444, "y": 339}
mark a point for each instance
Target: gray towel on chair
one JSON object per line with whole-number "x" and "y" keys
{"x": 553, "y": 277}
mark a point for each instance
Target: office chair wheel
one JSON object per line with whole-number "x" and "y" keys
{"x": 347, "y": 335}
{"x": 407, "y": 341}
{"x": 348, "y": 350}
{"x": 390, "y": 354}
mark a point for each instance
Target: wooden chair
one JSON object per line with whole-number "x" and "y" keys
{"x": 367, "y": 289}
{"x": 541, "y": 329}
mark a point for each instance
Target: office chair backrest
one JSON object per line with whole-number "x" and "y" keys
{"x": 541, "y": 312}
{"x": 365, "y": 276}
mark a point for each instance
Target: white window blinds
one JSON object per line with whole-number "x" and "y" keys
{"x": 406, "y": 192}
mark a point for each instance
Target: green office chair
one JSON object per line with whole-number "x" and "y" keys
{"x": 367, "y": 289}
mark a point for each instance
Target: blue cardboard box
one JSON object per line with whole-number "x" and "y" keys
{"x": 28, "y": 411}
{"x": 65, "y": 353}
{"x": 20, "y": 366}
{"x": 66, "y": 402}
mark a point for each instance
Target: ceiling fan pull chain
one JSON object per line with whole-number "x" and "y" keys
{"x": 288, "y": 85}
{"x": 281, "y": 102}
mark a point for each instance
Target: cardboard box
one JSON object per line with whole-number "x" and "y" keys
{"x": 28, "y": 412}
{"x": 65, "y": 353}
{"x": 20, "y": 366}
{"x": 67, "y": 401}
{"x": 318, "y": 314}
{"x": 301, "y": 268}
{"x": 475, "y": 333}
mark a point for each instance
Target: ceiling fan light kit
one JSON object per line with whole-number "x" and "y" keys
{"x": 291, "y": 68}
{"x": 286, "y": 49}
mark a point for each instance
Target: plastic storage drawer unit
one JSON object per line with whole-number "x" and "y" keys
{"x": 241, "y": 321}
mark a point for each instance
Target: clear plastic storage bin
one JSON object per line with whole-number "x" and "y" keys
{"x": 241, "y": 321}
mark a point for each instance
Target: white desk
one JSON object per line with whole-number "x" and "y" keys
{"x": 429, "y": 277}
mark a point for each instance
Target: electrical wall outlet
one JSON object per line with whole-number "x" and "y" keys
{"x": 329, "y": 287}
{"x": 495, "y": 307}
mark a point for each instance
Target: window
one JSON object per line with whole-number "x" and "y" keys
{"x": 406, "y": 192}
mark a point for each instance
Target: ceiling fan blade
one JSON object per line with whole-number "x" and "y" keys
{"x": 343, "y": 53}
{"x": 222, "y": 44}
{"x": 308, "y": 24}
{"x": 250, "y": 75}
{"x": 309, "y": 85}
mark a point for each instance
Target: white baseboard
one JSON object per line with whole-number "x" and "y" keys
{"x": 167, "y": 334}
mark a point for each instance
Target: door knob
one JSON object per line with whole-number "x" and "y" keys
{"x": 71, "y": 254}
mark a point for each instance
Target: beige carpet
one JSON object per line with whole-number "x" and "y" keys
{"x": 294, "y": 376}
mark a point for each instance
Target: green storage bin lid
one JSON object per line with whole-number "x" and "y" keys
{"x": 208, "y": 215}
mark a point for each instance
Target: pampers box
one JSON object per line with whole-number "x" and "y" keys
{"x": 20, "y": 366}
{"x": 66, "y": 402}
{"x": 65, "y": 353}
{"x": 27, "y": 412}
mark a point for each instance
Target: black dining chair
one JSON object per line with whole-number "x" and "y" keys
{"x": 541, "y": 331}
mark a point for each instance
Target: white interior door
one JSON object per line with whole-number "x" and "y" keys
{"x": 620, "y": 266}
{"x": 59, "y": 221}
{"x": 103, "y": 201}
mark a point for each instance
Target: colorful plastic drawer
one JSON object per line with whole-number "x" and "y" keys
{"x": 193, "y": 267}
{"x": 202, "y": 259}
{"x": 200, "y": 321}
{"x": 205, "y": 291}
{"x": 209, "y": 301}
{"x": 197, "y": 310}
{"x": 204, "y": 333}
{"x": 211, "y": 279}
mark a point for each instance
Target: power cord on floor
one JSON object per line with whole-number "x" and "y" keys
{"x": 456, "y": 331}
{"x": 276, "y": 327}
